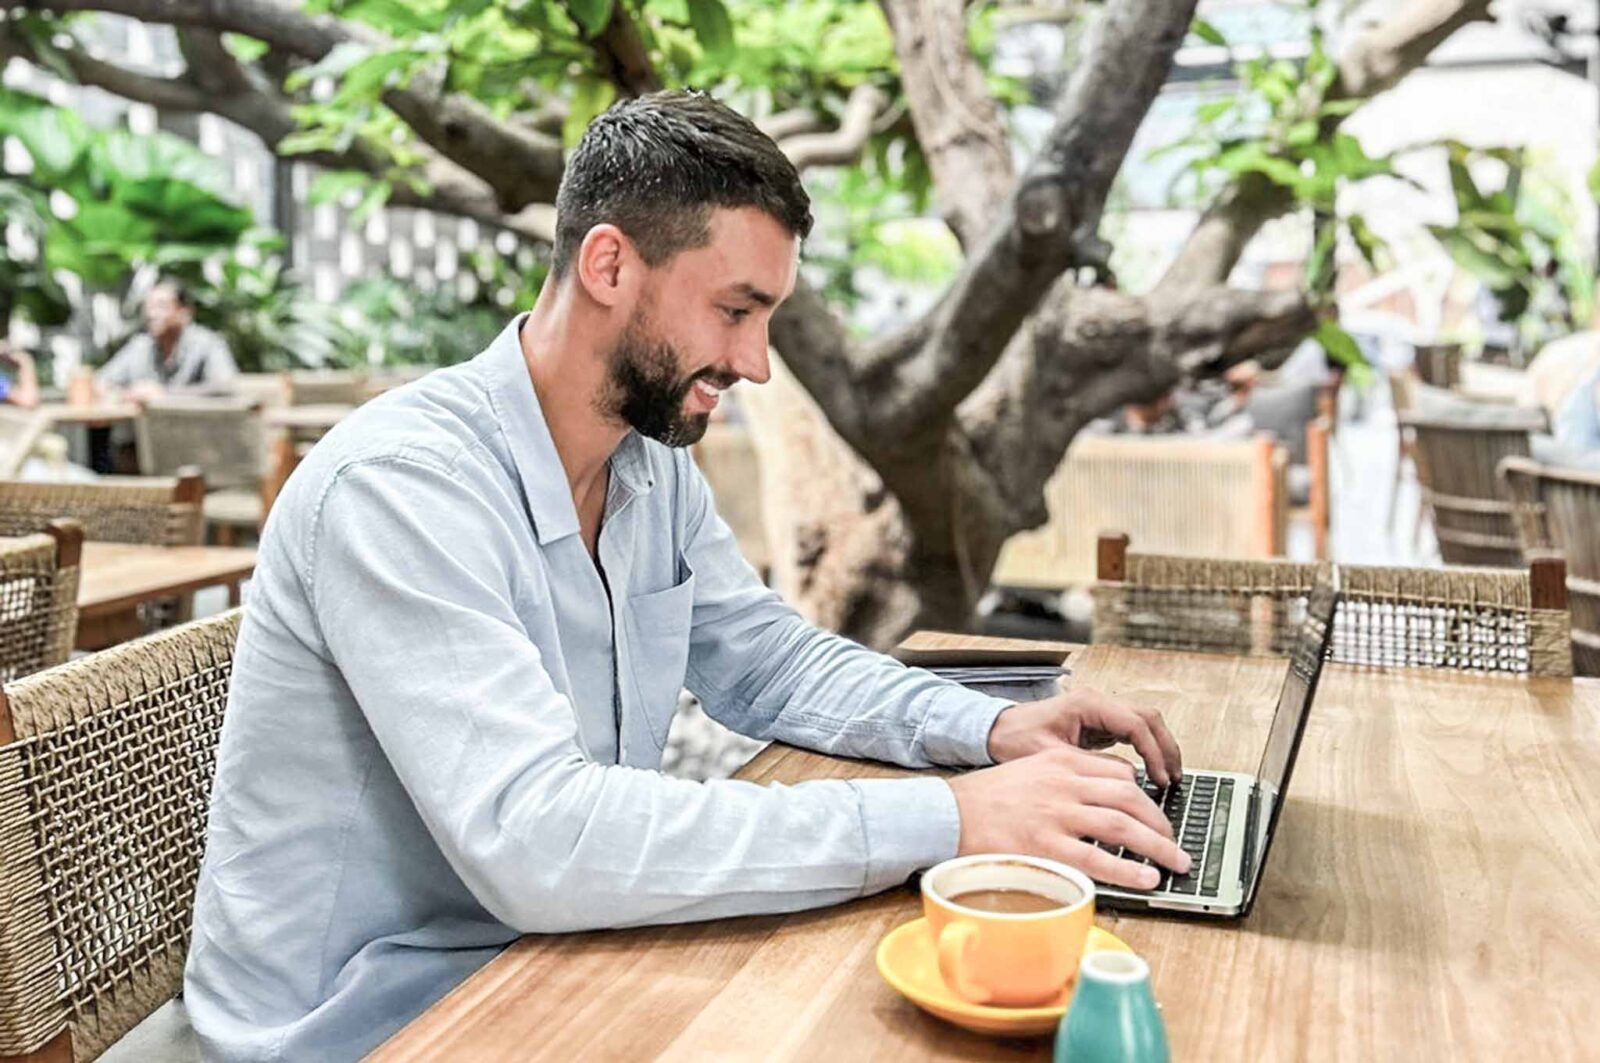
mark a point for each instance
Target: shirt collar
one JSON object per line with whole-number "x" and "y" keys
{"x": 533, "y": 450}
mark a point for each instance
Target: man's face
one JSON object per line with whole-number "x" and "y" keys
{"x": 164, "y": 315}
{"x": 699, "y": 327}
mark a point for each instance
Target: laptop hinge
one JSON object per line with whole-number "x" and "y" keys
{"x": 1251, "y": 820}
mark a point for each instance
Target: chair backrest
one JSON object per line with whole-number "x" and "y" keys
{"x": 105, "y": 775}
{"x": 159, "y": 510}
{"x": 1181, "y": 494}
{"x": 39, "y": 599}
{"x": 1439, "y": 364}
{"x": 1473, "y": 619}
{"x": 224, "y": 437}
{"x": 326, "y": 387}
{"x": 727, "y": 456}
{"x": 19, "y": 430}
{"x": 1456, "y": 458}
{"x": 1560, "y": 508}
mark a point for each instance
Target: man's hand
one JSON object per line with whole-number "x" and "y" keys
{"x": 1086, "y": 719}
{"x": 1056, "y": 804}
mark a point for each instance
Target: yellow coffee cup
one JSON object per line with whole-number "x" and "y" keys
{"x": 1009, "y": 929}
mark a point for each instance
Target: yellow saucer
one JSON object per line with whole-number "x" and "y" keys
{"x": 908, "y": 962}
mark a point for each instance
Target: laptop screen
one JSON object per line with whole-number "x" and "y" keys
{"x": 1288, "y": 724}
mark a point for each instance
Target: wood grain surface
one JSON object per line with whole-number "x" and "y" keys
{"x": 1434, "y": 893}
{"x": 114, "y": 577}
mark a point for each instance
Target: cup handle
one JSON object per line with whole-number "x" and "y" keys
{"x": 954, "y": 941}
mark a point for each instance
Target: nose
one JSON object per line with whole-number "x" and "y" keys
{"x": 752, "y": 362}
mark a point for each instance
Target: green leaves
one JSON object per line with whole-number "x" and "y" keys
{"x": 590, "y": 15}
{"x": 1342, "y": 349}
{"x": 1208, "y": 33}
{"x": 712, "y": 24}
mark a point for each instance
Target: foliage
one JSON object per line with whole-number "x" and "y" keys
{"x": 26, "y": 285}
{"x": 121, "y": 200}
{"x": 1521, "y": 241}
{"x": 1283, "y": 127}
{"x": 386, "y": 321}
{"x": 268, "y": 319}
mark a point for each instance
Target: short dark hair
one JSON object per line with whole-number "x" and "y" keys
{"x": 656, "y": 166}
{"x": 180, "y": 291}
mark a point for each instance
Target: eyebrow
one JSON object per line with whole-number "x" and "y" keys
{"x": 754, "y": 294}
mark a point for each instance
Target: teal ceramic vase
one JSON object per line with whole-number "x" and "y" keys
{"x": 1113, "y": 1016}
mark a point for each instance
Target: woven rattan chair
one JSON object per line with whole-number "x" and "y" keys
{"x": 19, "y": 430}
{"x": 326, "y": 387}
{"x": 38, "y": 599}
{"x": 225, "y": 439}
{"x": 1560, "y": 508}
{"x": 1483, "y": 619}
{"x": 1182, "y": 494}
{"x": 105, "y": 775}
{"x": 1456, "y": 458}
{"x": 160, "y": 510}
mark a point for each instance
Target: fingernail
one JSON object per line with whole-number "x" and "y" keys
{"x": 1184, "y": 863}
{"x": 1149, "y": 877}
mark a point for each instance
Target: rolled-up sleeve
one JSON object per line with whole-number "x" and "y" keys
{"x": 764, "y": 671}
{"x": 413, "y": 581}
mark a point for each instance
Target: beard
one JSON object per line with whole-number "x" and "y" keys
{"x": 646, "y": 390}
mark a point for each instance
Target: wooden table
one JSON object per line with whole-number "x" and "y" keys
{"x": 115, "y": 578}
{"x": 293, "y": 425}
{"x": 1434, "y": 892}
{"x": 98, "y": 413}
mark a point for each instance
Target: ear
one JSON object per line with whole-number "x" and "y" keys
{"x": 608, "y": 266}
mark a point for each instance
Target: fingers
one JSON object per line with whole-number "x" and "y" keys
{"x": 1103, "y": 867}
{"x": 1095, "y": 765}
{"x": 1117, "y": 828}
{"x": 1126, "y": 798}
{"x": 1141, "y": 728}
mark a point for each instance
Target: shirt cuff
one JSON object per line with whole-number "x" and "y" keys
{"x": 956, "y": 726}
{"x": 910, "y": 824}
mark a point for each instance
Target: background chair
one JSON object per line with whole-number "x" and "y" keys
{"x": 1456, "y": 457}
{"x": 1560, "y": 508}
{"x": 39, "y": 599}
{"x": 159, "y": 510}
{"x": 1483, "y": 619}
{"x": 19, "y": 430}
{"x": 225, "y": 439}
{"x": 1181, "y": 494}
{"x": 324, "y": 387}
{"x": 105, "y": 773}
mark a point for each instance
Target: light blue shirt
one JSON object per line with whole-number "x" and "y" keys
{"x": 1578, "y": 425}
{"x": 443, "y": 732}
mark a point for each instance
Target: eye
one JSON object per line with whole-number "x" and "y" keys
{"x": 735, "y": 314}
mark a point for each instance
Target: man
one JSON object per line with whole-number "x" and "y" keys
{"x": 172, "y": 354}
{"x": 476, "y": 603}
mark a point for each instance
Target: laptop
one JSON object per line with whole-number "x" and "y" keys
{"x": 1225, "y": 820}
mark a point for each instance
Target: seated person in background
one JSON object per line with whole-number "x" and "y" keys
{"x": 172, "y": 354}
{"x": 22, "y": 389}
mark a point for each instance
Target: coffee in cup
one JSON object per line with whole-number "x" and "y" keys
{"x": 1009, "y": 929}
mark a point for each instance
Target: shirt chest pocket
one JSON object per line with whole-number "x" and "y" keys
{"x": 658, "y": 650}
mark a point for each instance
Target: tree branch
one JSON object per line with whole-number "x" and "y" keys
{"x": 1374, "y": 63}
{"x": 787, "y": 124}
{"x": 952, "y": 112}
{"x": 844, "y": 144}
{"x": 1048, "y": 224}
{"x": 623, "y": 57}
{"x": 522, "y": 165}
{"x": 1093, "y": 350}
{"x": 173, "y": 94}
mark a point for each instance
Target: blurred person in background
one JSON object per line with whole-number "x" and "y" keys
{"x": 19, "y": 378}
{"x": 173, "y": 355}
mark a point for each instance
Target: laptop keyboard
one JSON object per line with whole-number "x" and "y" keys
{"x": 1197, "y": 807}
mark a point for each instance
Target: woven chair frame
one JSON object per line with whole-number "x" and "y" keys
{"x": 1559, "y": 509}
{"x": 1481, "y": 620}
{"x": 1456, "y": 462}
{"x": 222, "y": 436}
{"x": 161, "y": 511}
{"x": 104, "y": 788}
{"x": 38, "y": 599}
